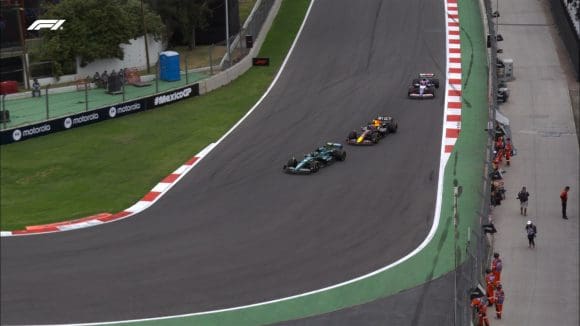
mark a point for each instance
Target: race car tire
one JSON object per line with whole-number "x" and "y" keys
{"x": 375, "y": 138}
{"x": 430, "y": 90}
{"x": 393, "y": 128}
{"x": 352, "y": 135}
{"x": 435, "y": 83}
{"x": 341, "y": 156}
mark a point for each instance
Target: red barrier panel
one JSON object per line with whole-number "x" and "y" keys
{"x": 8, "y": 87}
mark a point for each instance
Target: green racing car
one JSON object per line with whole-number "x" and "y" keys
{"x": 312, "y": 162}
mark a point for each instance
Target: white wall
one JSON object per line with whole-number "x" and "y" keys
{"x": 134, "y": 58}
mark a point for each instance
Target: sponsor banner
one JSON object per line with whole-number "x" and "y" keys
{"x": 173, "y": 96}
{"x": 71, "y": 121}
{"x": 105, "y": 113}
{"x": 126, "y": 108}
{"x": 81, "y": 119}
{"x": 52, "y": 126}
{"x": 31, "y": 131}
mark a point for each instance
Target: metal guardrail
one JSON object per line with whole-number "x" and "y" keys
{"x": 568, "y": 23}
{"x": 84, "y": 95}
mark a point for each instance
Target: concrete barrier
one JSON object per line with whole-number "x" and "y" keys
{"x": 567, "y": 32}
{"x": 227, "y": 76}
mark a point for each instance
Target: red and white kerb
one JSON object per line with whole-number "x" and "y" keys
{"x": 453, "y": 104}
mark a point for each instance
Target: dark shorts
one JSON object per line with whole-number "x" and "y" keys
{"x": 524, "y": 204}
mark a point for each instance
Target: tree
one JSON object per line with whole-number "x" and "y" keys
{"x": 94, "y": 29}
{"x": 183, "y": 17}
{"x": 155, "y": 26}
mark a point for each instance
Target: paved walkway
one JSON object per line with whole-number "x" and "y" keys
{"x": 541, "y": 284}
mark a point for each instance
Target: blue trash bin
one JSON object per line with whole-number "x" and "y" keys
{"x": 169, "y": 66}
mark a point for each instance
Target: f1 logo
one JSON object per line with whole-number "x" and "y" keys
{"x": 53, "y": 24}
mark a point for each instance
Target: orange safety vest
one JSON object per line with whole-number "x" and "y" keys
{"x": 496, "y": 265}
{"x": 490, "y": 279}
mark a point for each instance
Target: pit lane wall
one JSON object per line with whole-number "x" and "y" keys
{"x": 567, "y": 32}
{"x": 151, "y": 102}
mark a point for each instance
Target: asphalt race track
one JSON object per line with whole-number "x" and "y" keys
{"x": 237, "y": 230}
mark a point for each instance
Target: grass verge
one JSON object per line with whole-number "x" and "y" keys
{"x": 108, "y": 166}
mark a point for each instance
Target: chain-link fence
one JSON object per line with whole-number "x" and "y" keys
{"x": 470, "y": 275}
{"x": 83, "y": 94}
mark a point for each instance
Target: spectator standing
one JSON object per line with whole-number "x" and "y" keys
{"x": 508, "y": 151}
{"x": 496, "y": 174}
{"x": 97, "y": 80}
{"x": 495, "y": 196}
{"x": 532, "y": 231}
{"x": 523, "y": 196}
{"x": 122, "y": 76}
{"x": 499, "y": 298}
{"x": 105, "y": 79}
{"x": 490, "y": 282}
{"x": 496, "y": 267}
{"x": 482, "y": 314}
{"x": 475, "y": 303}
{"x": 564, "y": 199}
{"x": 480, "y": 308}
{"x": 35, "y": 88}
{"x": 499, "y": 145}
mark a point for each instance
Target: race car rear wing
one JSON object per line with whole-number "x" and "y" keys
{"x": 426, "y": 75}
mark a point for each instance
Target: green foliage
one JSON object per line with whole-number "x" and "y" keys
{"x": 95, "y": 29}
{"x": 153, "y": 23}
{"x": 184, "y": 16}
